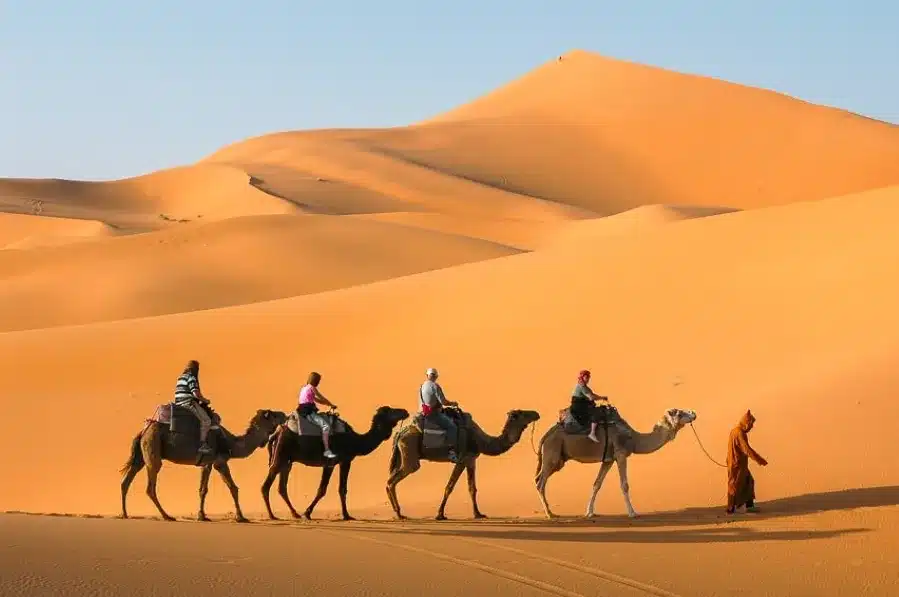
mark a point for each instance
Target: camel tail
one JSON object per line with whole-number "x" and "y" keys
{"x": 136, "y": 458}
{"x": 540, "y": 453}
{"x": 395, "y": 453}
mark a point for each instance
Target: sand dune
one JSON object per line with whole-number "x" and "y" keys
{"x": 610, "y": 135}
{"x": 19, "y": 231}
{"x": 635, "y": 221}
{"x": 696, "y": 243}
{"x": 207, "y": 265}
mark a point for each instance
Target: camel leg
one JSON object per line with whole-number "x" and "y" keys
{"x": 470, "y": 469}
{"x": 204, "y": 489}
{"x": 597, "y": 484}
{"x": 151, "y": 446}
{"x": 283, "y": 478}
{"x": 225, "y": 471}
{"x": 408, "y": 465}
{"x": 625, "y": 488}
{"x": 126, "y": 484}
{"x": 322, "y": 490}
{"x": 273, "y": 471}
{"x": 344, "y": 487}
{"x": 450, "y": 485}
{"x": 547, "y": 470}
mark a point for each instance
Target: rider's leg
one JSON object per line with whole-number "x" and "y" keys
{"x": 326, "y": 433}
{"x": 452, "y": 434}
{"x": 205, "y": 425}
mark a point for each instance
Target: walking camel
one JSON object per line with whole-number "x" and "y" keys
{"x": 568, "y": 441}
{"x": 173, "y": 434}
{"x": 416, "y": 443}
{"x": 287, "y": 446}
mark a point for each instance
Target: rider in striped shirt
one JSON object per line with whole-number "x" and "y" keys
{"x": 189, "y": 396}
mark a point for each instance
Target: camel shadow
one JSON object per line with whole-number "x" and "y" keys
{"x": 800, "y": 505}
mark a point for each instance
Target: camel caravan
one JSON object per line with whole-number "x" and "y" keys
{"x": 187, "y": 431}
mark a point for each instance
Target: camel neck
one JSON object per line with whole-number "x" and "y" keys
{"x": 371, "y": 439}
{"x": 647, "y": 443}
{"x": 244, "y": 445}
{"x": 495, "y": 445}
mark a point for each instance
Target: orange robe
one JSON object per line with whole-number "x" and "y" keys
{"x": 740, "y": 484}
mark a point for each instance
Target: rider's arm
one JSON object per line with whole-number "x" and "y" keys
{"x": 194, "y": 385}
{"x": 593, "y": 396}
{"x": 320, "y": 398}
{"x": 443, "y": 399}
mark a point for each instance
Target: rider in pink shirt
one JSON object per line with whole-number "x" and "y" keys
{"x": 310, "y": 397}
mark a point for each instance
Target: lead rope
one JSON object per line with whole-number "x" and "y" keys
{"x": 533, "y": 431}
{"x": 699, "y": 441}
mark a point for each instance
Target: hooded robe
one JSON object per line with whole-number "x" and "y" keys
{"x": 740, "y": 484}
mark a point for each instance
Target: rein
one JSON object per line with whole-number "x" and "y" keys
{"x": 699, "y": 441}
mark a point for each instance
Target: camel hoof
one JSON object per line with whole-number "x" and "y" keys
{"x": 348, "y": 517}
{"x": 632, "y": 515}
{"x": 479, "y": 516}
{"x": 273, "y": 517}
{"x": 241, "y": 519}
{"x": 401, "y": 517}
{"x": 169, "y": 518}
{"x": 307, "y": 515}
{"x": 202, "y": 518}
{"x": 440, "y": 517}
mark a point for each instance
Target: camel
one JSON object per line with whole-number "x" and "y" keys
{"x": 414, "y": 444}
{"x": 286, "y": 447}
{"x": 615, "y": 445}
{"x": 157, "y": 442}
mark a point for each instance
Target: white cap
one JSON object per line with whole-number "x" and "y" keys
{"x": 431, "y": 371}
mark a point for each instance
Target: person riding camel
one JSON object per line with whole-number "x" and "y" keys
{"x": 431, "y": 401}
{"x": 189, "y": 396}
{"x": 583, "y": 404}
{"x": 309, "y": 396}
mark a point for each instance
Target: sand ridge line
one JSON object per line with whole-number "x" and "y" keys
{"x": 595, "y": 572}
{"x": 492, "y": 570}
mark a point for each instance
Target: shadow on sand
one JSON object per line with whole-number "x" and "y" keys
{"x": 657, "y": 527}
{"x": 620, "y": 529}
{"x": 811, "y": 503}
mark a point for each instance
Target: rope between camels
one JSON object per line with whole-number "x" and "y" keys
{"x": 699, "y": 441}
{"x": 533, "y": 427}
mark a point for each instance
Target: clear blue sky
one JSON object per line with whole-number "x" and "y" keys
{"x": 98, "y": 89}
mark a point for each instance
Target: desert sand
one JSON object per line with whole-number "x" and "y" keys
{"x": 696, "y": 243}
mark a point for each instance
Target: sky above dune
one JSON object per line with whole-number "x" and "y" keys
{"x": 100, "y": 89}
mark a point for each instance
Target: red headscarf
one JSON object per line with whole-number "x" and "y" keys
{"x": 582, "y": 377}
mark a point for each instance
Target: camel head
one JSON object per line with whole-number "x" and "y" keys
{"x": 519, "y": 419}
{"x": 267, "y": 421}
{"x": 389, "y": 417}
{"x": 676, "y": 418}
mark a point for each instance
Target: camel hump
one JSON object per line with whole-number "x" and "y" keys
{"x": 180, "y": 419}
{"x": 605, "y": 414}
{"x": 304, "y": 426}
